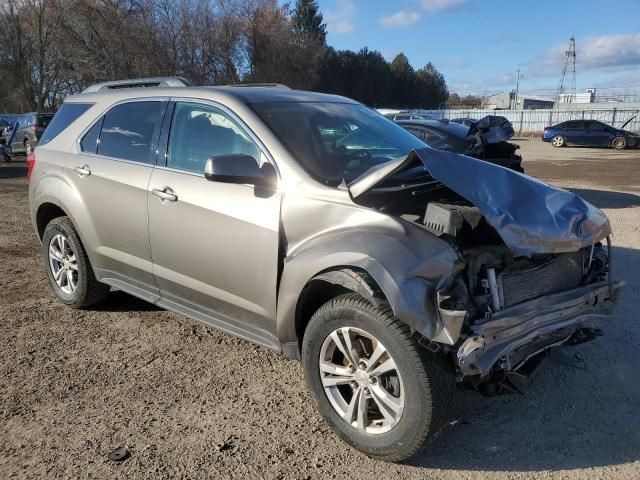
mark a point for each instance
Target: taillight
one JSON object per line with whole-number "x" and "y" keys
{"x": 31, "y": 162}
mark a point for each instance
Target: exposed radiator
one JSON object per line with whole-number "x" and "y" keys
{"x": 529, "y": 279}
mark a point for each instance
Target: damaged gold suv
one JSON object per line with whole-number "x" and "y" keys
{"x": 316, "y": 227}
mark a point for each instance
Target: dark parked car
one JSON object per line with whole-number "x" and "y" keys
{"x": 485, "y": 139}
{"x": 590, "y": 133}
{"x": 464, "y": 121}
{"x": 30, "y": 129}
{"x": 397, "y": 117}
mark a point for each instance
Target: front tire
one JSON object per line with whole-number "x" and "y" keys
{"x": 385, "y": 395}
{"x": 619, "y": 143}
{"x": 558, "y": 141}
{"x": 67, "y": 265}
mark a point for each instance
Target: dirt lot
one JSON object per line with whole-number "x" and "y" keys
{"x": 188, "y": 401}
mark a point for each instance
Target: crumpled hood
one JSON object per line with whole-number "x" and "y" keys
{"x": 493, "y": 128}
{"x": 530, "y": 216}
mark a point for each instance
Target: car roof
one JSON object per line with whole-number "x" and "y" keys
{"x": 238, "y": 94}
{"x": 456, "y": 129}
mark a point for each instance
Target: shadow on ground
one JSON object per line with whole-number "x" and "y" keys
{"x": 120, "y": 301}
{"x": 607, "y": 198}
{"x": 581, "y": 411}
{"x": 17, "y": 171}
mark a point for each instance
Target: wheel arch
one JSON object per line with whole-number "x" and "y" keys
{"x": 47, "y": 211}
{"x": 331, "y": 283}
{"x": 616, "y": 137}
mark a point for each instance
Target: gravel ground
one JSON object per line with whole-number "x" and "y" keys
{"x": 188, "y": 401}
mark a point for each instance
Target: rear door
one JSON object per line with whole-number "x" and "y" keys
{"x": 214, "y": 245}
{"x": 111, "y": 174}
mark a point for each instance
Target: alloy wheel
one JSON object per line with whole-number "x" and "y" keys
{"x": 557, "y": 141}
{"x": 63, "y": 264}
{"x": 361, "y": 380}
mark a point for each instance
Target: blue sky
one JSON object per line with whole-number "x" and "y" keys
{"x": 478, "y": 44}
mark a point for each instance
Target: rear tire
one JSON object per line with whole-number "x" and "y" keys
{"x": 67, "y": 265}
{"x": 424, "y": 384}
{"x": 619, "y": 143}
{"x": 558, "y": 141}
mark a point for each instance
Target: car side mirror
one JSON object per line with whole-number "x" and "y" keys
{"x": 240, "y": 169}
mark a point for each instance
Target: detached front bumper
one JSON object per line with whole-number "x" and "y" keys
{"x": 517, "y": 333}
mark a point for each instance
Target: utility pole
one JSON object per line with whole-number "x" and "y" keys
{"x": 518, "y": 77}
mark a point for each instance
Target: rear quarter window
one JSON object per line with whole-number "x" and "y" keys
{"x": 68, "y": 113}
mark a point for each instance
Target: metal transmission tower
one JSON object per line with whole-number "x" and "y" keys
{"x": 567, "y": 89}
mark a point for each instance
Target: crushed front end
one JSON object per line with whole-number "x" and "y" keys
{"x": 534, "y": 263}
{"x": 517, "y": 308}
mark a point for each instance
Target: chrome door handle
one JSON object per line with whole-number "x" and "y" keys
{"x": 83, "y": 171}
{"x": 165, "y": 193}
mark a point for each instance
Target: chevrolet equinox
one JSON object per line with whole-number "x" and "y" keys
{"x": 313, "y": 225}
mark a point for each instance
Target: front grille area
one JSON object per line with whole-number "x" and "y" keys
{"x": 529, "y": 279}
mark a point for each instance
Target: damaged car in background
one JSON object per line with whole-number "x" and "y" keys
{"x": 485, "y": 139}
{"x": 314, "y": 226}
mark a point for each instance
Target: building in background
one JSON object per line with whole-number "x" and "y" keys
{"x": 588, "y": 96}
{"x": 508, "y": 101}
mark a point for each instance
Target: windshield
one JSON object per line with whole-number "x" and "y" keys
{"x": 336, "y": 141}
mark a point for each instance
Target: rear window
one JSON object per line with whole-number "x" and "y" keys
{"x": 68, "y": 113}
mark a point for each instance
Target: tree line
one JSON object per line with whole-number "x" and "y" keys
{"x": 52, "y": 48}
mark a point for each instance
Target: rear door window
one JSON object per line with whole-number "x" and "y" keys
{"x": 68, "y": 113}
{"x": 574, "y": 125}
{"x": 128, "y": 130}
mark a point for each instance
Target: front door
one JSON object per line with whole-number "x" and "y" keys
{"x": 214, "y": 245}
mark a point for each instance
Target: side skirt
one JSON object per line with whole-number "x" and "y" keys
{"x": 207, "y": 317}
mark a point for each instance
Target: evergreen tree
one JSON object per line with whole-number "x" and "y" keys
{"x": 307, "y": 22}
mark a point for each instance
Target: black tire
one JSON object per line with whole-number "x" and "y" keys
{"x": 88, "y": 290}
{"x": 619, "y": 143}
{"x": 428, "y": 379}
{"x": 558, "y": 141}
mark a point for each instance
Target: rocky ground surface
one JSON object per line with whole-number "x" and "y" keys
{"x": 188, "y": 401}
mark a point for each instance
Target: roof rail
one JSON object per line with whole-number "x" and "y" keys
{"x": 139, "y": 82}
{"x": 265, "y": 85}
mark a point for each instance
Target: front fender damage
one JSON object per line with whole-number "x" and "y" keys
{"x": 407, "y": 266}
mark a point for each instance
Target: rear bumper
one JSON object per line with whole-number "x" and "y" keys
{"x": 540, "y": 324}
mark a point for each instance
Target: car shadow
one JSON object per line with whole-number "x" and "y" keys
{"x": 608, "y": 198}
{"x": 13, "y": 172}
{"x": 581, "y": 411}
{"x": 119, "y": 301}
